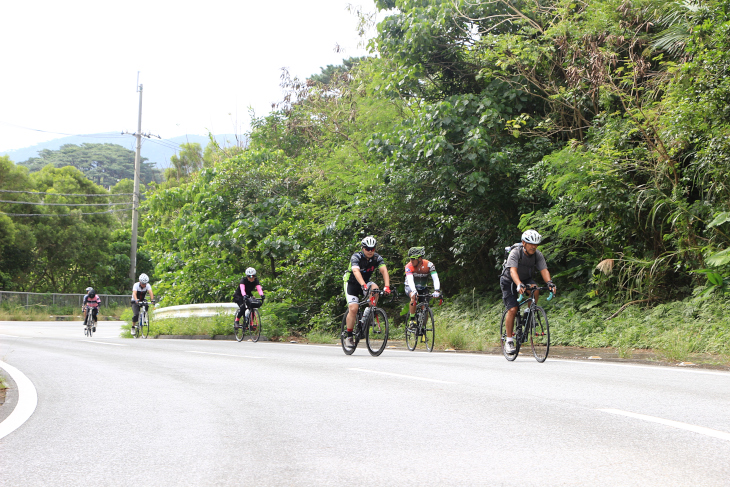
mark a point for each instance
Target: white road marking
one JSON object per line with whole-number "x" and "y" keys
{"x": 103, "y": 343}
{"x": 9, "y": 336}
{"x": 403, "y": 376}
{"x": 674, "y": 424}
{"x": 27, "y": 401}
{"x": 224, "y": 354}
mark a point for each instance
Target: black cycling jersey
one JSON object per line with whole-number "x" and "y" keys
{"x": 249, "y": 286}
{"x": 366, "y": 266}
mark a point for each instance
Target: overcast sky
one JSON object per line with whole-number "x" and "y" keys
{"x": 70, "y": 67}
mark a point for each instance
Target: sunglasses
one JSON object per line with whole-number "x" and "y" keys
{"x": 368, "y": 248}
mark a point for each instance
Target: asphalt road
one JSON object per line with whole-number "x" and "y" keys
{"x": 115, "y": 411}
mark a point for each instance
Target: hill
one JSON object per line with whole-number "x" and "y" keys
{"x": 155, "y": 150}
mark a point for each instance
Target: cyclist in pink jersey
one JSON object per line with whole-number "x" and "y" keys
{"x": 417, "y": 272}
{"x": 91, "y": 302}
{"x": 245, "y": 290}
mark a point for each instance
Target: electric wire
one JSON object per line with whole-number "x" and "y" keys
{"x": 66, "y": 214}
{"x": 63, "y": 204}
{"x": 65, "y": 194}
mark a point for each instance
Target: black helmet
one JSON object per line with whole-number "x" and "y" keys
{"x": 92, "y": 293}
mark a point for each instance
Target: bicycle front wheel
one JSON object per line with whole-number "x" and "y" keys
{"x": 88, "y": 325}
{"x": 503, "y": 336}
{"x": 411, "y": 334}
{"x": 254, "y": 325}
{"x": 376, "y": 334}
{"x": 343, "y": 335}
{"x": 429, "y": 329}
{"x": 540, "y": 334}
{"x": 144, "y": 325}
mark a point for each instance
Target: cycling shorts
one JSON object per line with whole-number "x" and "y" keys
{"x": 509, "y": 291}
{"x": 353, "y": 292}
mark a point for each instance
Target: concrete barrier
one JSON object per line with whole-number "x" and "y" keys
{"x": 195, "y": 310}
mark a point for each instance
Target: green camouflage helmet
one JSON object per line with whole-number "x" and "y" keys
{"x": 416, "y": 252}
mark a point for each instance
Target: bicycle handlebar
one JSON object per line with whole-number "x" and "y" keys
{"x": 532, "y": 288}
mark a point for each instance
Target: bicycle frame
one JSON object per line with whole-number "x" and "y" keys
{"x": 527, "y": 322}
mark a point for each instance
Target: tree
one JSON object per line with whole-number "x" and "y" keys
{"x": 105, "y": 164}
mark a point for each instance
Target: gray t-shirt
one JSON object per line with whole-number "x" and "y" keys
{"x": 526, "y": 265}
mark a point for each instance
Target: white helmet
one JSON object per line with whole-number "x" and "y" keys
{"x": 368, "y": 242}
{"x": 531, "y": 237}
{"x": 88, "y": 289}
{"x": 250, "y": 272}
{"x": 144, "y": 278}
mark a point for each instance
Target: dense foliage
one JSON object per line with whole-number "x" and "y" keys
{"x": 604, "y": 125}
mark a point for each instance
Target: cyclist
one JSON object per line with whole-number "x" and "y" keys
{"x": 417, "y": 272}
{"x": 357, "y": 280}
{"x": 519, "y": 269}
{"x": 92, "y": 302}
{"x": 139, "y": 291}
{"x": 249, "y": 282}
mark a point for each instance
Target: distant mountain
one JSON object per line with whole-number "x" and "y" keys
{"x": 155, "y": 150}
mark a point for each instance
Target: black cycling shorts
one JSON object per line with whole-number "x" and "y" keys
{"x": 509, "y": 291}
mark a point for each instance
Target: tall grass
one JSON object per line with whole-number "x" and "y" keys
{"x": 46, "y": 313}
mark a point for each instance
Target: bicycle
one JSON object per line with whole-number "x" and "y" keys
{"x": 373, "y": 328}
{"x": 531, "y": 324}
{"x": 251, "y": 325}
{"x": 425, "y": 326}
{"x": 143, "y": 326}
{"x": 88, "y": 322}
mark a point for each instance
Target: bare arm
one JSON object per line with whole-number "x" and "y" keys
{"x": 386, "y": 277}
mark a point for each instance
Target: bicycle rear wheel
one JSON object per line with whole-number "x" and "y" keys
{"x": 343, "y": 335}
{"x": 540, "y": 335}
{"x": 144, "y": 324}
{"x": 429, "y": 329}
{"x": 254, "y": 325}
{"x": 503, "y": 336}
{"x": 411, "y": 334}
{"x": 376, "y": 334}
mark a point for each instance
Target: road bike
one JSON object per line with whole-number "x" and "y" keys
{"x": 371, "y": 325}
{"x": 89, "y": 323}
{"x": 530, "y": 324}
{"x": 251, "y": 325}
{"x": 425, "y": 329}
{"x": 143, "y": 327}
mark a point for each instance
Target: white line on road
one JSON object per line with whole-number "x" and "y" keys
{"x": 223, "y": 354}
{"x": 9, "y": 336}
{"x": 103, "y": 343}
{"x": 674, "y": 424}
{"x": 403, "y": 376}
{"x": 27, "y": 401}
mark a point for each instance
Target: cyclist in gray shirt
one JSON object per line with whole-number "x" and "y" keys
{"x": 519, "y": 270}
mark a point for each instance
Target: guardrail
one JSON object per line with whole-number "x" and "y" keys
{"x": 195, "y": 310}
{"x": 17, "y": 298}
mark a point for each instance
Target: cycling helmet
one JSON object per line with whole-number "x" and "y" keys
{"x": 369, "y": 242}
{"x": 250, "y": 272}
{"x": 531, "y": 237}
{"x": 92, "y": 293}
{"x": 416, "y": 252}
{"x": 89, "y": 289}
{"x": 144, "y": 278}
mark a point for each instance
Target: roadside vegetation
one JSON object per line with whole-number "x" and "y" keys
{"x": 50, "y": 313}
{"x": 604, "y": 125}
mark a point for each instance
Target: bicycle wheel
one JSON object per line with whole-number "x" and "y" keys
{"x": 239, "y": 332}
{"x": 429, "y": 329}
{"x": 411, "y": 334}
{"x": 343, "y": 335}
{"x": 540, "y": 335}
{"x": 87, "y": 325}
{"x": 254, "y": 325}
{"x": 144, "y": 324}
{"x": 376, "y": 334}
{"x": 503, "y": 336}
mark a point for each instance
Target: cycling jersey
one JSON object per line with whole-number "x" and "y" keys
{"x": 246, "y": 288}
{"x": 141, "y": 293}
{"x": 365, "y": 265}
{"x": 94, "y": 302}
{"x": 525, "y": 263}
{"x": 421, "y": 273}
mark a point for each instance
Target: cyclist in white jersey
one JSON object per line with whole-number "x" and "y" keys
{"x": 139, "y": 292}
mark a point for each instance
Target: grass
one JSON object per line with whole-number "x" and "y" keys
{"x": 46, "y": 313}
{"x": 3, "y": 384}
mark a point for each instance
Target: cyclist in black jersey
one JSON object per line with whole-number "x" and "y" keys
{"x": 139, "y": 292}
{"x": 357, "y": 280}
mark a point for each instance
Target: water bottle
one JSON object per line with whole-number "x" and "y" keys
{"x": 247, "y": 313}
{"x": 365, "y": 315}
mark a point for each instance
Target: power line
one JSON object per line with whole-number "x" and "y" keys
{"x": 65, "y": 214}
{"x": 61, "y": 133}
{"x": 63, "y": 204}
{"x": 64, "y": 194}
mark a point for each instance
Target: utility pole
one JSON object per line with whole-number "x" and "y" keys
{"x": 135, "y": 196}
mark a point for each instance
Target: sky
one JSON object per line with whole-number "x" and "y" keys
{"x": 71, "y": 67}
